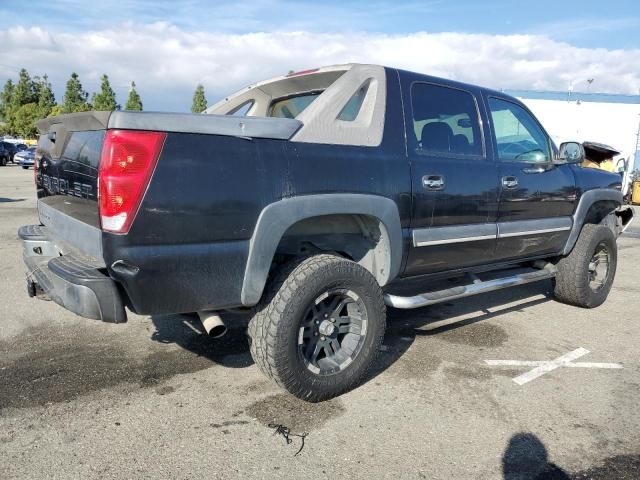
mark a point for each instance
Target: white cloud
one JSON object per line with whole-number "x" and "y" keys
{"x": 167, "y": 62}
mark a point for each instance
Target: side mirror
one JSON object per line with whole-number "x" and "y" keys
{"x": 571, "y": 152}
{"x": 621, "y": 166}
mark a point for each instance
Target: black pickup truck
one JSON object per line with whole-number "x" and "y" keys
{"x": 312, "y": 200}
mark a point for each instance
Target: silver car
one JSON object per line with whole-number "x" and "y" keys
{"x": 25, "y": 158}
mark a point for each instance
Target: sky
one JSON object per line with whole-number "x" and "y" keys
{"x": 168, "y": 47}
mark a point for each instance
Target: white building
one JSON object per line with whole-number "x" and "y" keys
{"x": 605, "y": 118}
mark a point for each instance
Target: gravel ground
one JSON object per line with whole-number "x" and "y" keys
{"x": 154, "y": 398}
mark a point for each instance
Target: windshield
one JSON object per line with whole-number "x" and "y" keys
{"x": 291, "y": 107}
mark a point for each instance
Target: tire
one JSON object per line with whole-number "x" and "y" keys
{"x": 585, "y": 276}
{"x": 3, "y": 162}
{"x": 293, "y": 341}
{"x": 25, "y": 168}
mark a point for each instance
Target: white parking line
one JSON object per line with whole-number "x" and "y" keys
{"x": 542, "y": 367}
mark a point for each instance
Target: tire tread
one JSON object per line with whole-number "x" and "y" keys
{"x": 571, "y": 286}
{"x": 288, "y": 281}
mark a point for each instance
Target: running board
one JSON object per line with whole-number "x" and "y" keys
{"x": 431, "y": 298}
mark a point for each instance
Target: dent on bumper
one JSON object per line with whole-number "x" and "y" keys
{"x": 69, "y": 278}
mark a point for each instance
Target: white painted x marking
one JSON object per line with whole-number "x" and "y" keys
{"x": 542, "y": 367}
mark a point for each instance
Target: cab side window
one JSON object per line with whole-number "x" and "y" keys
{"x": 445, "y": 121}
{"x": 518, "y": 135}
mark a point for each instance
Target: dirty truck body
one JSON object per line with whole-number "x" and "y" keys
{"x": 309, "y": 198}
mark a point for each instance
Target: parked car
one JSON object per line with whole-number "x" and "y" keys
{"x": 5, "y": 154}
{"x": 14, "y": 148}
{"x": 342, "y": 190}
{"x": 24, "y": 158}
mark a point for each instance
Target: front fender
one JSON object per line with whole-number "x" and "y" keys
{"x": 587, "y": 200}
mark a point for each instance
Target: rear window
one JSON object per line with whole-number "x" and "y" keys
{"x": 291, "y": 107}
{"x": 242, "y": 110}
{"x": 352, "y": 108}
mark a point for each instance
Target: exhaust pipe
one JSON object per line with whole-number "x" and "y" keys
{"x": 212, "y": 323}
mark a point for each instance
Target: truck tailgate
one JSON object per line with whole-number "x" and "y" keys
{"x": 67, "y": 178}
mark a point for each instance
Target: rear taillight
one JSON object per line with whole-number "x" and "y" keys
{"x": 126, "y": 165}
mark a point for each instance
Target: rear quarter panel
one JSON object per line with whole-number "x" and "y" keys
{"x": 190, "y": 239}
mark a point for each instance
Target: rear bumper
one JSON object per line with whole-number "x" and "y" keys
{"x": 71, "y": 279}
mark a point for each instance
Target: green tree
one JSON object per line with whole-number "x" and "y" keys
{"x": 134, "y": 102}
{"x": 199, "y": 103}
{"x": 24, "y": 120}
{"x": 24, "y": 102}
{"x": 20, "y": 110}
{"x": 46, "y": 99}
{"x": 75, "y": 98}
{"x": 56, "y": 110}
{"x": 106, "y": 99}
{"x": 26, "y": 90}
{"x": 6, "y": 99}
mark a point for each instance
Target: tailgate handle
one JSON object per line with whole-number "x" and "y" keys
{"x": 52, "y": 136}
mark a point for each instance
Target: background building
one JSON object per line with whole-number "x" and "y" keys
{"x": 606, "y": 118}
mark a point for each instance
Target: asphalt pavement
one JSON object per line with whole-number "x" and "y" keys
{"x": 155, "y": 398}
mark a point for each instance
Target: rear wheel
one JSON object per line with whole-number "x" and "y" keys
{"x": 25, "y": 168}
{"x": 585, "y": 276}
{"x": 319, "y": 327}
{"x": 3, "y": 162}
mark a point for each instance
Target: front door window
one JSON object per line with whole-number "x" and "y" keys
{"x": 518, "y": 135}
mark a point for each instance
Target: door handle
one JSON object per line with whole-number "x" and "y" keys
{"x": 510, "y": 182}
{"x": 433, "y": 182}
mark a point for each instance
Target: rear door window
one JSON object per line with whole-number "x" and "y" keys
{"x": 445, "y": 121}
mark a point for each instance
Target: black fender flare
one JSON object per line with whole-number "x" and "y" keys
{"x": 587, "y": 199}
{"x": 277, "y": 217}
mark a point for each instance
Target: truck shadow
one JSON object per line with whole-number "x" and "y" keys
{"x": 186, "y": 331}
{"x": 403, "y": 326}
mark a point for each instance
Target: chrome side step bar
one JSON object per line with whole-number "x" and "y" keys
{"x": 438, "y": 296}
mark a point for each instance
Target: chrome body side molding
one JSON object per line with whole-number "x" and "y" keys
{"x": 423, "y": 237}
{"x": 534, "y": 227}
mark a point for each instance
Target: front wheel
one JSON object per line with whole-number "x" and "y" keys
{"x": 319, "y": 327}
{"x": 585, "y": 276}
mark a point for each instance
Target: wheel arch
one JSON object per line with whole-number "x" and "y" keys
{"x": 278, "y": 218}
{"x": 593, "y": 208}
